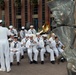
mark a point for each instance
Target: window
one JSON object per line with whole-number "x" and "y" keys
{"x": 18, "y": 7}
{"x": 35, "y": 9}
{"x": 18, "y": 24}
{"x": 18, "y": 10}
{"x": 35, "y": 20}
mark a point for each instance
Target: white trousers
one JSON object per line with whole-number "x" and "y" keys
{"x": 17, "y": 56}
{"x": 23, "y": 49}
{"x": 60, "y": 50}
{"x": 4, "y": 55}
{"x": 42, "y": 52}
{"x": 49, "y": 50}
{"x": 56, "y": 52}
{"x": 30, "y": 52}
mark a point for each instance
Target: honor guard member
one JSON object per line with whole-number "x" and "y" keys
{"x": 12, "y": 30}
{"x": 31, "y": 30}
{"x": 53, "y": 44}
{"x": 15, "y": 48}
{"x": 23, "y": 45}
{"x": 31, "y": 48}
{"x": 60, "y": 47}
{"x": 4, "y": 48}
{"x": 48, "y": 49}
{"x": 11, "y": 39}
{"x": 23, "y": 32}
{"x": 40, "y": 46}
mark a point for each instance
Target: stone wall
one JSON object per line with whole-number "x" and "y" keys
{"x": 75, "y": 12}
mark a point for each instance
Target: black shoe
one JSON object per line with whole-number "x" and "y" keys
{"x": 11, "y": 64}
{"x": 53, "y": 62}
{"x": 42, "y": 62}
{"x": 31, "y": 62}
{"x": 18, "y": 63}
{"x": 62, "y": 59}
{"x": 22, "y": 56}
{"x": 35, "y": 62}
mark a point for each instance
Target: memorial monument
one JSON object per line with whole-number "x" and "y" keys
{"x": 63, "y": 13}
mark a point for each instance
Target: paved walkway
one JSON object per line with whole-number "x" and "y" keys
{"x": 37, "y": 69}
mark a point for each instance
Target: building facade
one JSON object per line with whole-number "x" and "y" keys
{"x": 26, "y": 14}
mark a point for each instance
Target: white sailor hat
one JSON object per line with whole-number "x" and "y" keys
{"x": 27, "y": 35}
{"x": 53, "y": 34}
{"x": 37, "y": 33}
{"x": 44, "y": 35}
{"x": 15, "y": 36}
{"x": 12, "y": 34}
{"x": 0, "y": 21}
{"x": 31, "y": 26}
{"x": 9, "y": 39}
{"x": 22, "y": 27}
{"x": 31, "y": 35}
{"x": 10, "y": 26}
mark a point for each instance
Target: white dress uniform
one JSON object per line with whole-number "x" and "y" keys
{"x": 40, "y": 45}
{"x": 59, "y": 47}
{"x": 23, "y": 33}
{"x": 31, "y": 31}
{"x": 31, "y": 48}
{"x": 49, "y": 50}
{"x": 23, "y": 45}
{"x": 53, "y": 46}
{"x": 4, "y": 49}
{"x": 15, "y": 48}
{"x": 13, "y": 31}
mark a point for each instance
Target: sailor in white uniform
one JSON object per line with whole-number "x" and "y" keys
{"x": 59, "y": 45}
{"x": 23, "y": 45}
{"x": 31, "y": 48}
{"x": 31, "y": 30}
{"x": 48, "y": 49}
{"x": 23, "y": 32}
{"x": 11, "y": 39}
{"x": 15, "y": 48}
{"x": 13, "y": 30}
{"x": 4, "y": 48}
{"x": 53, "y": 44}
{"x": 40, "y": 46}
